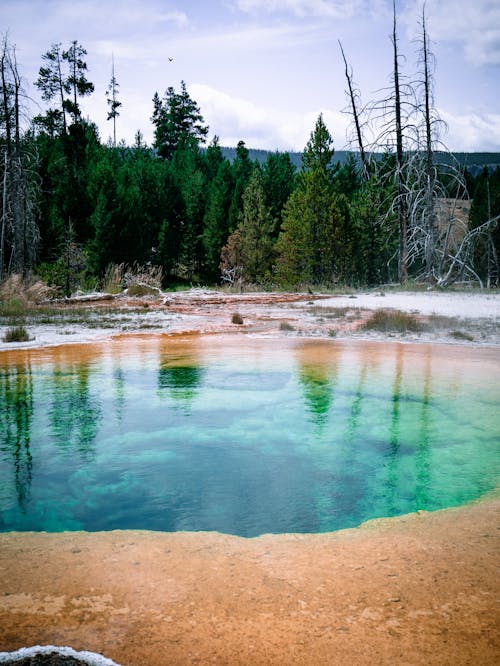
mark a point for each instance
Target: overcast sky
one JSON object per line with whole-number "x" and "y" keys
{"x": 263, "y": 70}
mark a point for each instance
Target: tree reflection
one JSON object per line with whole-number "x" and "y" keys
{"x": 317, "y": 376}
{"x": 180, "y": 373}
{"x": 394, "y": 443}
{"x": 16, "y": 413}
{"x": 75, "y": 414}
{"x": 119, "y": 391}
{"x": 318, "y": 392}
{"x": 422, "y": 461}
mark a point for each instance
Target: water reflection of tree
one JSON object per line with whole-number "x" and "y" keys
{"x": 318, "y": 392}
{"x": 16, "y": 412}
{"x": 317, "y": 376}
{"x": 75, "y": 414}
{"x": 119, "y": 391}
{"x": 180, "y": 372}
{"x": 422, "y": 460}
{"x": 394, "y": 443}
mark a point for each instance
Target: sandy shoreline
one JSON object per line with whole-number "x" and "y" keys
{"x": 417, "y": 589}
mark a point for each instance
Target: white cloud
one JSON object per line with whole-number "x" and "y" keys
{"x": 474, "y": 25}
{"x": 127, "y": 14}
{"x": 301, "y": 8}
{"x": 260, "y": 126}
{"x": 472, "y": 132}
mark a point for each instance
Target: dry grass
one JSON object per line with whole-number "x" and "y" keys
{"x": 329, "y": 312}
{"x": 148, "y": 275}
{"x": 112, "y": 282}
{"x": 26, "y": 291}
{"x": 118, "y": 276}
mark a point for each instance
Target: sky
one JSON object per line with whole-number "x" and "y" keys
{"x": 262, "y": 71}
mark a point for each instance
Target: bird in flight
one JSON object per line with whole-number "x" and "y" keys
{"x": 170, "y": 59}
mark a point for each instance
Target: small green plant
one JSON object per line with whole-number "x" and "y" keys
{"x": 332, "y": 333}
{"x": 236, "y": 318}
{"x": 286, "y": 326}
{"x": 460, "y": 335}
{"x": 393, "y": 321}
{"x": 16, "y": 334}
{"x": 13, "y": 307}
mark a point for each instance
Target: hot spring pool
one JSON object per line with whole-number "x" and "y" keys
{"x": 242, "y": 435}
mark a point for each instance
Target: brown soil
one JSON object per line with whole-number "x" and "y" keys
{"x": 421, "y": 589}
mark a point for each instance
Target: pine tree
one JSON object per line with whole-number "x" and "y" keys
{"x": 53, "y": 84}
{"x": 278, "y": 181}
{"x": 63, "y": 77}
{"x": 242, "y": 170}
{"x": 112, "y": 100}
{"x": 178, "y": 122}
{"x": 486, "y": 206}
{"x": 77, "y": 81}
{"x": 249, "y": 252}
{"x": 216, "y": 219}
{"x": 313, "y": 244}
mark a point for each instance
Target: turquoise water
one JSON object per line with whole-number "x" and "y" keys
{"x": 243, "y": 436}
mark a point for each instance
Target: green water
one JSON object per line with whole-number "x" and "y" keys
{"x": 241, "y": 435}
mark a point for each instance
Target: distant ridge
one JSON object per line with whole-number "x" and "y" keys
{"x": 475, "y": 162}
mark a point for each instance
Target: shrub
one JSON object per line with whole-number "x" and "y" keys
{"x": 236, "y": 318}
{"x": 393, "y": 321}
{"x": 142, "y": 290}
{"x": 460, "y": 335}
{"x": 16, "y": 334}
{"x": 146, "y": 274}
{"x": 286, "y": 326}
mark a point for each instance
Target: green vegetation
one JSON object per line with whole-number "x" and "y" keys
{"x": 236, "y": 318}
{"x": 460, "y": 335}
{"x": 16, "y": 334}
{"x": 393, "y": 321}
{"x": 79, "y": 213}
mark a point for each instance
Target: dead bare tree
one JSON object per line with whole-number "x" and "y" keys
{"x": 354, "y": 97}
{"x": 434, "y": 240}
{"x": 19, "y": 234}
{"x": 398, "y": 128}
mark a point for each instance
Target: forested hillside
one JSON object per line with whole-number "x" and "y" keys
{"x": 473, "y": 162}
{"x": 72, "y": 206}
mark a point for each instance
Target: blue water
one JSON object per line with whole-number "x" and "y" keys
{"x": 240, "y": 435}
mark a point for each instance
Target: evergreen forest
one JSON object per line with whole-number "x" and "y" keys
{"x": 74, "y": 206}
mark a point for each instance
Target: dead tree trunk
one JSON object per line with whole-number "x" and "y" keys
{"x": 355, "y": 115}
{"x": 19, "y": 234}
{"x": 402, "y": 207}
{"x": 6, "y": 113}
{"x": 430, "y": 175}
